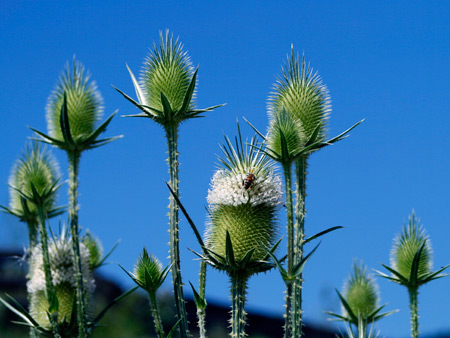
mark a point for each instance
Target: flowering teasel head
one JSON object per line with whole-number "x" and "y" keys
{"x": 242, "y": 215}
{"x": 360, "y": 298}
{"x": 411, "y": 257}
{"x": 166, "y": 90}
{"x": 74, "y": 111}
{"x": 34, "y": 179}
{"x": 63, "y": 272}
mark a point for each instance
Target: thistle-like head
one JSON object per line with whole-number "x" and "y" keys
{"x": 361, "y": 292}
{"x": 244, "y": 197}
{"x": 95, "y": 249}
{"x": 84, "y": 104}
{"x": 36, "y": 173}
{"x": 302, "y": 94}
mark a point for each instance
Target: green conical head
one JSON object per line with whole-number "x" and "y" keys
{"x": 361, "y": 292}
{"x": 84, "y": 104}
{"x": 407, "y": 244}
{"x": 95, "y": 249}
{"x": 37, "y": 167}
{"x": 167, "y": 69}
{"x": 302, "y": 94}
{"x": 148, "y": 271}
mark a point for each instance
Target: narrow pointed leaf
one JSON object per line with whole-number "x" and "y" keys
{"x": 401, "y": 278}
{"x": 314, "y": 135}
{"x": 174, "y": 327}
{"x": 20, "y": 311}
{"x": 434, "y": 275}
{"x": 65, "y": 124}
{"x": 273, "y": 249}
{"x": 413, "y": 277}
{"x": 297, "y": 270}
{"x": 199, "y": 301}
{"x": 116, "y": 300}
{"x": 283, "y": 272}
{"x": 204, "y": 110}
{"x": 321, "y": 234}
{"x": 229, "y": 250}
{"x": 133, "y": 277}
{"x": 284, "y": 147}
{"x": 189, "y": 92}
{"x": 51, "y": 140}
{"x": 166, "y": 105}
{"x": 138, "y": 105}
{"x": 254, "y": 128}
{"x": 247, "y": 258}
{"x": 188, "y": 218}
{"x": 347, "y": 308}
{"x": 99, "y": 130}
{"x": 338, "y": 317}
{"x": 340, "y": 136}
{"x": 382, "y": 315}
{"x": 137, "y": 87}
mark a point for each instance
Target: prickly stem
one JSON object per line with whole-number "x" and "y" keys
{"x": 74, "y": 162}
{"x": 201, "y": 312}
{"x": 238, "y": 294}
{"x": 299, "y": 230}
{"x": 156, "y": 316}
{"x": 290, "y": 248}
{"x": 172, "y": 143}
{"x": 414, "y": 307}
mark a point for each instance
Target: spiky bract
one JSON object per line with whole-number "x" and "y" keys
{"x": 36, "y": 167}
{"x": 302, "y": 94}
{"x": 148, "y": 271}
{"x": 95, "y": 248}
{"x": 63, "y": 278}
{"x": 84, "y": 104}
{"x": 405, "y": 247}
{"x": 361, "y": 292}
{"x": 168, "y": 69}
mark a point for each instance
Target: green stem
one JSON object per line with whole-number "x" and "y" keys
{"x": 290, "y": 246}
{"x": 238, "y": 315}
{"x": 49, "y": 291}
{"x": 201, "y": 311}
{"x": 414, "y": 306}
{"x": 32, "y": 234}
{"x": 156, "y": 316}
{"x": 74, "y": 162}
{"x": 172, "y": 143}
{"x": 299, "y": 229}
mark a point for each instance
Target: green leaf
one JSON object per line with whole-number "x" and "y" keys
{"x": 413, "y": 277}
{"x": 138, "y": 105}
{"x": 168, "y": 112}
{"x": 401, "y": 278}
{"x": 20, "y": 311}
{"x": 116, "y": 300}
{"x": 188, "y": 218}
{"x": 200, "y": 302}
{"x": 343, "y": 135}
{"x": 137, "y": 87}
{"x": 133, "y": 277}
{"x": 297, "y": 270}
{"x": 347, "y": 308}
{"x": 189, "y": 92}
{"x": 254, "y": 128}
{"x": 174, "y": 327}
{"x": 248, "y": 256}
{"x": 322, "y": 233}
{"x": 434, "y": 275}
{"x": 314, "y": 135}
{"x": 65, "y": 124}
{"x": 53, "y": 302}
{"x": 99, "y": 130}
{"x": 229, "y": 252}
{"x": 283, "y": 272}
{"x": 48, "y": 139}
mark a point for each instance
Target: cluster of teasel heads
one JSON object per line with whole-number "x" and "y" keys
{"x": 244, "y": 201}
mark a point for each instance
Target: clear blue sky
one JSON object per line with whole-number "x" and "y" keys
{"x": 386, "y": 61}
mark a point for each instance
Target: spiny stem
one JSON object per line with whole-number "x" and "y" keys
{"x": 49, "y": 291}
{"x": 414, "y": 306}
{"x": 155, "y": 313}
{"x": 172, "y": 143}
{"x": 299, "y": 229}
{"x": 74, "y": 162}
{"x": 238, "y": 292}
{"x": 32, "y": 234}
{"x": 201, "y": 312}
{"x": 290, "y": 248}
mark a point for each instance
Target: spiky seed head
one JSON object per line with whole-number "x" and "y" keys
{"x": 283, "y": 125}
{"x": 167, "y": 69}
{"x": 148, "y": 271}
{"x": 84, "y": 104}
{"x": 62, "y": 267}
{"x": 95, "y": 248}
{"x": 301, "y": 92}
{"x": 37, "y": 167}
{"x": 246, "y": 210}
{"x": 406, "y": 244}
{"x": 361, "y": 291}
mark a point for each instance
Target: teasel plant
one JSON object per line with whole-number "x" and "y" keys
{"x": 149, "y": 275}
{"x": 412, "y": 265}
{"x": 299, "y": 108}
{"x": 33, "y": 183}
{"x": 166, "y": 94}
{"x": 74, "y": 111}
{"x": 360, "y": 301}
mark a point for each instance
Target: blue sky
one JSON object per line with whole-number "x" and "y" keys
{"x": 387, "y": 62}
